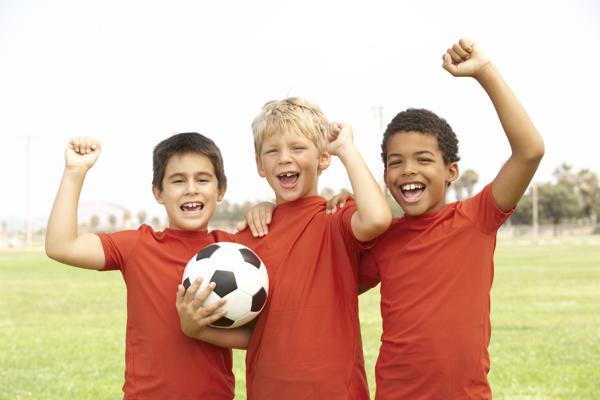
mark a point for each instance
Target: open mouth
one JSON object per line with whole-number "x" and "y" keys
{"x": 412, "y": 192}
{"x": 192, "y": 206}
{"x": 288, "y": 179}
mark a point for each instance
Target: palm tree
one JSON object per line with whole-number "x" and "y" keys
{"x": 94, "y": 223}
{"x": 142, "y": 217}
{"x": 112, "y": 221}
{"x": 468, "y": 180}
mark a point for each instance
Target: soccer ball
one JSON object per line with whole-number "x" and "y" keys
{"x": 240, "y": 277}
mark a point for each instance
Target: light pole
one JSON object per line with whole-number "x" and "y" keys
{"x": 534, "y": 212}
{"x": 29, "y": 235}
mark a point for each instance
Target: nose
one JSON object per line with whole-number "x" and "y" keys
{"x": 192, "y": 186}
{"x": 408, "y": 168}
{"x": 285, "y": 156}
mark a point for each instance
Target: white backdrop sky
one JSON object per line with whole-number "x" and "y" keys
{"x": 134, "y": 72}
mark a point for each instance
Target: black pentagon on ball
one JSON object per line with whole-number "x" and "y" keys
{"x": 250, "y": 257}
{"x": 258, "y": 300}
{"x": 224, "y": 281}
{"x": 207, "y": 251}
{"x": 223, "y": 322}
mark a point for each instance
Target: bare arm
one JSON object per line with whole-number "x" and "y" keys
{"x": 63, "y": 243}
{"x": 373, "y": 215}
{"x": 194, "y": 318}
{"x": 527, "y": 147}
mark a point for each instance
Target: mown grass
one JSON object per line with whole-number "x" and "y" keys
{"x": 62, "y": 328}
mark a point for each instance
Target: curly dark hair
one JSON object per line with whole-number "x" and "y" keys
{"x": 182, "y": 143}
{"x": 428, "y": 123}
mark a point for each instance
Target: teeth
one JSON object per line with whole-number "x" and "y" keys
{"x": 288, "y": 174}
{"x": 192, "y": 204}
{"x": 412, "y": 186}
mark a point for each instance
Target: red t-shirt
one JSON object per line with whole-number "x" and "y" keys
{"x": 160, "y": 361}
{"x": 306, "y": 343}
{"x": 436, "y": 274}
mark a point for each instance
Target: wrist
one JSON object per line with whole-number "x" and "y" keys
{"x": 347, "y": 152}
{"x": 75, "y": 171}
{"x": 486, "y": 73}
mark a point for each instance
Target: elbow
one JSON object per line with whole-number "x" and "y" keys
{"x": 53, "y": 251}
{"x": 383, "y": 220}
{"x": 532, "y": 155}
{"x": 535, "y": 152}
{"x": 377, "y": 224}
{"x": 50, "y": 250}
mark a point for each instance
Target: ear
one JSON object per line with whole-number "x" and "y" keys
{"x": 222, "y": 193}
{"x": 260, "y": 168}
{"x": 157, "y": 194}
{"x": 324, "y": 160}
{"x": 452, "y": 172}
{"x": 385, "y": 178}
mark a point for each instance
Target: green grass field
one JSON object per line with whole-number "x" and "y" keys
{"x": 62, "y": 329}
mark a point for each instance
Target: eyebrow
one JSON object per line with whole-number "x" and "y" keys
{"x": 175, "y": 174}
{"x": 419, "y": 153}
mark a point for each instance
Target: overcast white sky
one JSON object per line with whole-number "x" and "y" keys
{"x": 134, "y": 72}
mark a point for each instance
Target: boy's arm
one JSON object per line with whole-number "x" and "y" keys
{"x": 373, "y": 215}
{"x": 194, "y": 318}
{"x": 259, "y": 217}
{"x": 63, "y": 244}
{"x": 467, "y": 59}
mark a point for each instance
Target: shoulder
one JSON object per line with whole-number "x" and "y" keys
{"x": 483, "y": 210}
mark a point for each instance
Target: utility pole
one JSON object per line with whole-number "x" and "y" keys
{"x": 534, "y": 212}
{"x": 29, "y": 235}
{"x": 378, "y": 112}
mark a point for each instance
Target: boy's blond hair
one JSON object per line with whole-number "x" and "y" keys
{"x": 291, "y": 115}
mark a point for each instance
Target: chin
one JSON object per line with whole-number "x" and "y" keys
{"x": 191, "y": 225}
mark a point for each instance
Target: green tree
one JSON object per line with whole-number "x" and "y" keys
{"x": 94, "y": 223}
{"x": 223, "y": 211}
{"x": 126, "y": 219}
{"x": 155, "y": 222}
{"x": 142, "y": 216}
{"x": 523, "y": 214}
{"x": 557, "y": 203}
{"x": 468, "y": 180}
{"x": 589, "y": 190}
{"x": 564, "y": 175}
{"x": 112, "y": 221}
{"x": 394, "y": 206}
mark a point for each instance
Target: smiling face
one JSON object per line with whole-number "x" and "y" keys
{"x": 291, "y": 163}
{"x": 190, "y": 191}
{"x": 416, "y": 174}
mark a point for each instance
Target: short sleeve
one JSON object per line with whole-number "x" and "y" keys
{"x": 484, "y": 212}
{"x": 345, "y": 225}
{"x": 118, "y": 247}
{"x": 368, "y": 275}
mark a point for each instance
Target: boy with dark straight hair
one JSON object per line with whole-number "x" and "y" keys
{"x": 160, "y": 361}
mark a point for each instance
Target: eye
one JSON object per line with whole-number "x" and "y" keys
{"x": 394, "y": 163}
{"x": 178, "y": 181}
{"x": 298, "y": 148}
{"x": 424, "y": 160}
{"x": 271, "y": 151}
